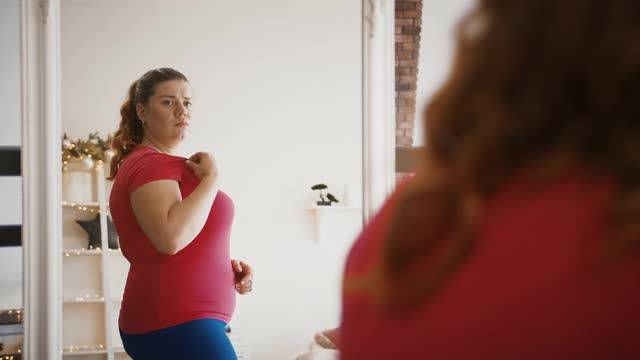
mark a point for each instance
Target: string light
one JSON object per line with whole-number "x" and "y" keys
{"x": 83, "y": 348}
{"x": 77, "y": 206}
{"x": 82, "y": 251}
{"x": 91, "y": 152}
{"x": 10, "y": 312}
{"x": 96, "y": 297}
{"x": 11, "y": 316}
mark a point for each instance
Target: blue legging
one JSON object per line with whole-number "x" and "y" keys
{"x": 203, "y": 339}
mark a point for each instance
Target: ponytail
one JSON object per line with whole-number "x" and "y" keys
{"x": 130, "y": 132}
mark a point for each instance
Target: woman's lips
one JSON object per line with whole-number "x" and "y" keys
{"x": 182, "y": 124}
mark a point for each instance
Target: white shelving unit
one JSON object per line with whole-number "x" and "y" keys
{"x": 93, "y": 279}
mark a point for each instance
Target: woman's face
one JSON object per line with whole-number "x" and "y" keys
{"x": 167, "y": 115}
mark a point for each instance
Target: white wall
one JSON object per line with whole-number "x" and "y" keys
{"x": 437, "y": 44}
{"x": 10, "y": 72}
{"x": 277, "y": 100}
{"x": 10, "y": 136}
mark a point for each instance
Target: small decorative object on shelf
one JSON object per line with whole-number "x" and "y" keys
{"x": 92, "y": 227}
{"x": 325, "y": 200}
{"x": 11, "y": 334}
{"x": 8, "y": 317}
{"x": 91, "y": 152}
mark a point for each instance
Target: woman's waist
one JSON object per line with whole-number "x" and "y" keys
{"x": 181, "y": 273}
{"x": 133, "y": 323}
{"x": 163, "y": 304}
{"x": 165, "y": 295}
{"x": 195, "y": 257}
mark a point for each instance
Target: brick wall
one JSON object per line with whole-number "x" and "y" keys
{"x": 408, "y": 25}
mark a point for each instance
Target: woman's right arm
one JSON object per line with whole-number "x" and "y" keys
{"x": 169, "y": 221}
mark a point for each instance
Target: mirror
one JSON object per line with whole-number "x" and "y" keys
{"x": 11, "y": 251}
{"x": 277, "y": 94}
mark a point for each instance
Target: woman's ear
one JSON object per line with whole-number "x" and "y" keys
{"x": 141, "y": 112}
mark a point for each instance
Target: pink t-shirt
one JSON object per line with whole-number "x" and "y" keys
{"x": 527, "y": 291}
{"x": 166, "y": 290}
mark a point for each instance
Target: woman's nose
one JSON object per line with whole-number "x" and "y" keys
{"x": 181, "y": 110}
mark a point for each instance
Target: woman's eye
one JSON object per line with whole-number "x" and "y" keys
{"x": 167, "y": 102}
{"x": 188, "y": 103}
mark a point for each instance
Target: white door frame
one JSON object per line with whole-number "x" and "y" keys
{"x": 41, "y": 144}
{"x": 41, "y": 177}
{"x": 378, "y": 91}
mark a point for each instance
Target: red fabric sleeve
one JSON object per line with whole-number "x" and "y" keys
{"x": 152, "y": 167}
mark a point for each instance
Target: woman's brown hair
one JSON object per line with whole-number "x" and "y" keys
{"x": 130, "y": 132}
{"x": 543, "y": 83}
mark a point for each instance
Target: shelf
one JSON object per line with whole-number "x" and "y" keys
{"x": 320, "y": 212}
{"x": 335, "y": 207}
{"x": 77, "y": 252}
{"x": 82, "y": 353}
{"x": 89, "y": 311}
{"x": 84, "y": 205}
{"x": 79, "y": 168}
{"x": 84, "y": 350}
{"x": 83, "y": 299}
{"x": 97, "y": 251}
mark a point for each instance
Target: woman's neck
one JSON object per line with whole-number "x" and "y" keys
{"x": 157, "y": 145}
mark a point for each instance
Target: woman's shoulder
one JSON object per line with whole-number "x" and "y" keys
{"x": 144, "y": 156}
{"x": 144, "y": 164}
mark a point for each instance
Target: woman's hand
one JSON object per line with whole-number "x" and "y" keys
{"x": 203, "y": 164}
{"x": 244, "y": 276}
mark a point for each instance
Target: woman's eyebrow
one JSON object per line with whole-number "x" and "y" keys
{"x": 173, "y": 97}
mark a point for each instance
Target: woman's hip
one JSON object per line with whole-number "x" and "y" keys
{"x": 197, "y": 339}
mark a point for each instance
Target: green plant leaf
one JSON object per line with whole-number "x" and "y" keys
{"x": 319, "y": 187}
{"x": 332, "y": 198}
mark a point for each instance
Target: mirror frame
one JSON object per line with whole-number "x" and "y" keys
{"x": 41, "y": 141}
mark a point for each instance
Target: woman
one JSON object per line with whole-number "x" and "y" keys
{"x": 519, "y": 236}
{"x": 174, "y": 225}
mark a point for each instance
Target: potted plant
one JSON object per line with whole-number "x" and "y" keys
{"x": 325, "y": 200}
